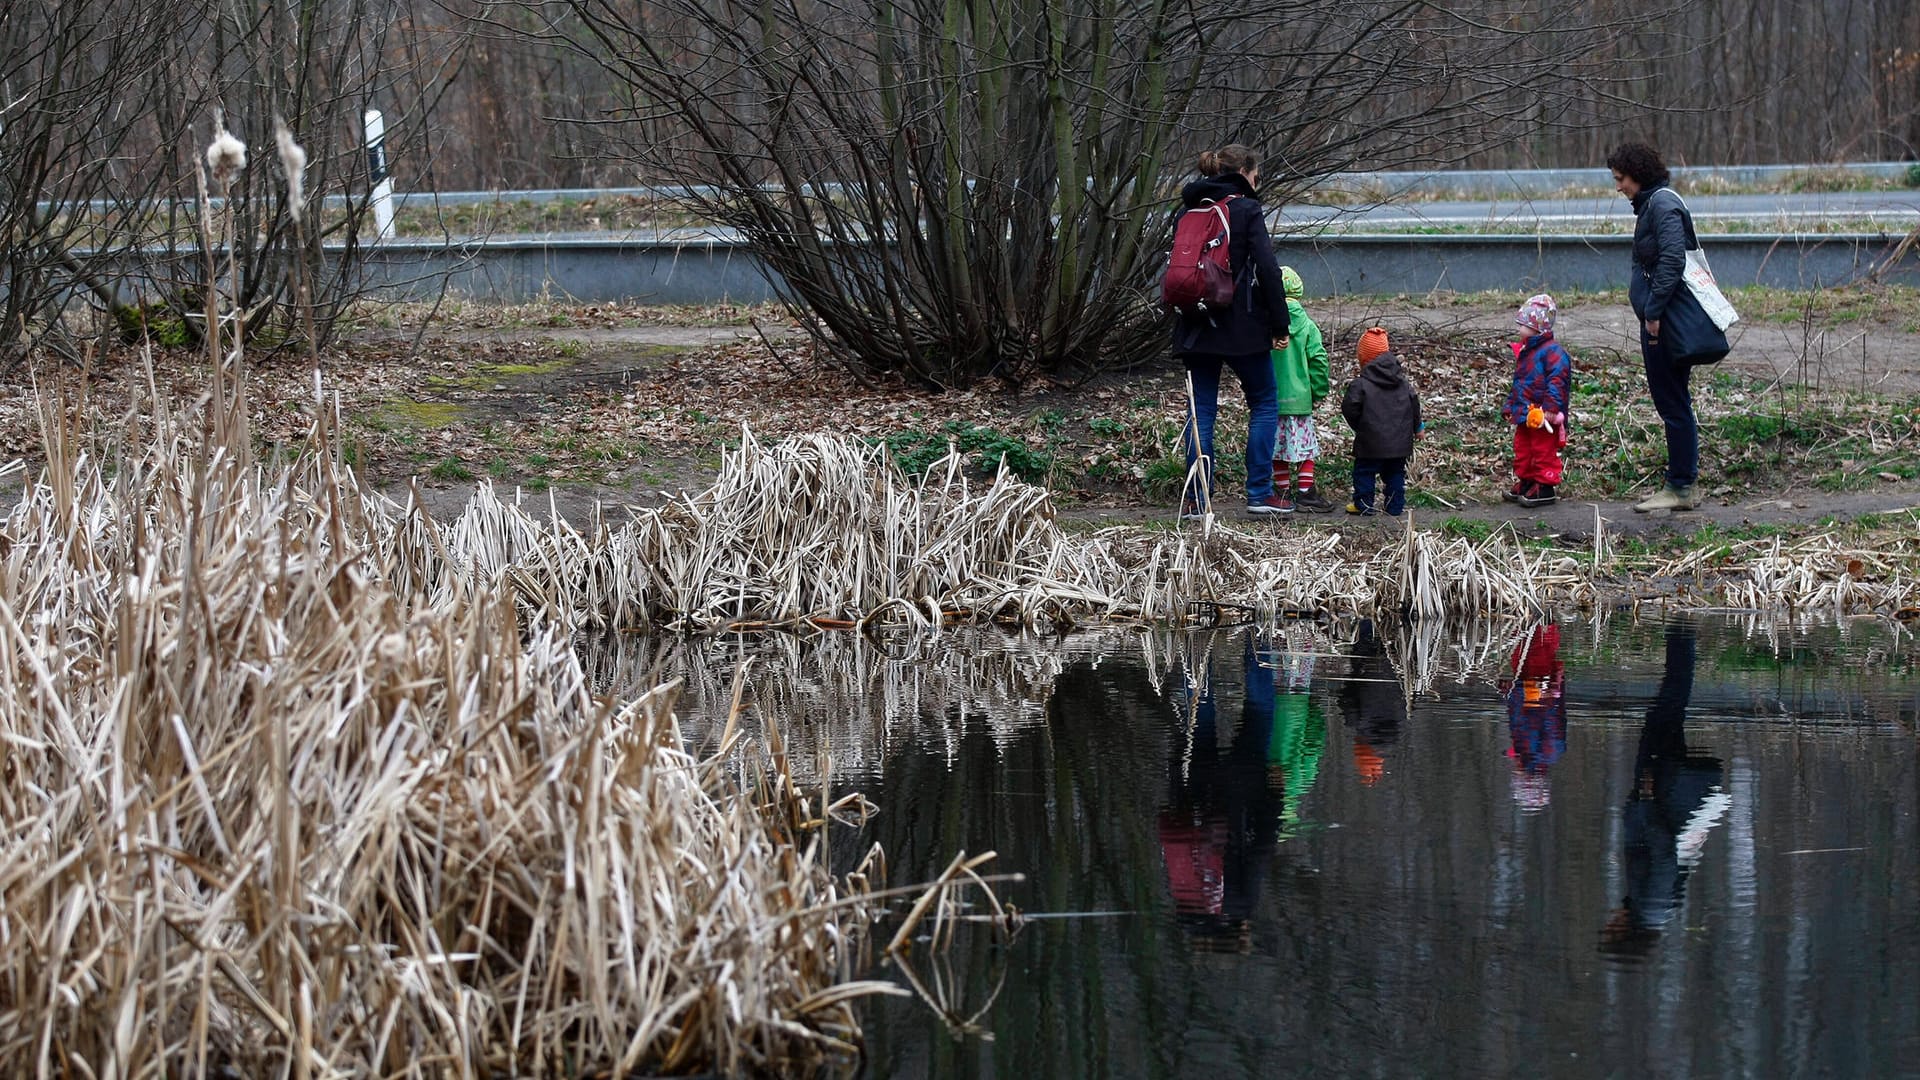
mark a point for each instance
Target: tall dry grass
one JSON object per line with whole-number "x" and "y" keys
{"x": 820, "y": 531}
{"x": 282, "y": 795}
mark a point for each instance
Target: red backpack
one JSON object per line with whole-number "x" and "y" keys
{"x": 1199, "y": 276}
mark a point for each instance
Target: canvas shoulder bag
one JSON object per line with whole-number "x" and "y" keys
{"x": 1698, "y": 275}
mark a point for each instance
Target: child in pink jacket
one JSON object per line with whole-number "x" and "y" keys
{"x": 1537, "y": 405}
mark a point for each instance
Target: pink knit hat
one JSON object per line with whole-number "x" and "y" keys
{"x": 1537, "y": 313}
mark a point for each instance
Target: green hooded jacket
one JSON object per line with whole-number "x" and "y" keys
{"x": 1300, "y": 369}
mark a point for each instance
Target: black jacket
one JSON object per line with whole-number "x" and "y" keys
{"x": 1371, "y": 700}
{"x": 1659, "y": 251}
{"x": 1259, "y": 303}
{"x": 1382, "y": 409}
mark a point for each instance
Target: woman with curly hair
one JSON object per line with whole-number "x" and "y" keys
{"x": 1659, "y": 258}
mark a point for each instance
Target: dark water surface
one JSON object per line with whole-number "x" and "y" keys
{"x": 1632, "y": 848}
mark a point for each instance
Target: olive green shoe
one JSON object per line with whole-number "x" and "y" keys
{"x": 1667, "y": 498}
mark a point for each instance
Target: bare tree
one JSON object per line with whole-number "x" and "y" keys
{"x": 105, "y": 108}
{"x": 959, "y": 188}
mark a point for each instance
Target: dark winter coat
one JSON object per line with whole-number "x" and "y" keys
{"x": 1259, "y": 312}
{"x": 1382, "y": 409}
{"x": 1543, "y": 376}
{"x": 1659, "y": 251}
{"x": 1371, "y": 701}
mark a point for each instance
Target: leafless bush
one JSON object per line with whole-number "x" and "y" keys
{"x": 953, "y": 191}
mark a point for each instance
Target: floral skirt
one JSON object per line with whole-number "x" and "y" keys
{"x": 1296, "y": 441}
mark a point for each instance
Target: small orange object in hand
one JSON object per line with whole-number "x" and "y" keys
{"x": 1536, "y": 416}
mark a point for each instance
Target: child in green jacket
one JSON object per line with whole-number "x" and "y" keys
{"x": 1300, "y": 372}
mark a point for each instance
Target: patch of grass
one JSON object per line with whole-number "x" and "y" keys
{"x": 1467, "y": 529}
{"x": 1842, "y": 304}
{"x": 1165, "y": 476}
{"x": 407, "y": 413}
{"x": 451, "y": 469}
{"x": 916, "y": 451}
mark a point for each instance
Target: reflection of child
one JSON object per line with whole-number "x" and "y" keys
{"x": 1299, "y": 735}
{"x": 1300, "y": 372}
{"x": 1537, "y": 404}
{"x": 1372, "y": 704}
{"x": 1536, "y": 715}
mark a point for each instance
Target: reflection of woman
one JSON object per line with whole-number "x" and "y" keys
{"x": 1222, "y": 820}
{"x": 1242, "y": 337}
{"x": 1659, "y": 258}
{"x": 1675, "y": 799}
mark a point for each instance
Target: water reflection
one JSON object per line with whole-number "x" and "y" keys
{"x": 1373, "y": 703}
{"x": 1235, "y": 791}
{"x": 1675, "y": 800}
{"x": 1267, "y": 909}
{"x": 1535, "y": 692}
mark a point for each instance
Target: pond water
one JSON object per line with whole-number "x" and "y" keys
{"x": 1682, "y": 847}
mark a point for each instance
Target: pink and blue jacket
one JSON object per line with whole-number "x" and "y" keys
{"x": 1542, "y": 375}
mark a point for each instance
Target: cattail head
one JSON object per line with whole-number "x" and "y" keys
{"x": 294, "y": 160}
{"x": 226, "y": 155}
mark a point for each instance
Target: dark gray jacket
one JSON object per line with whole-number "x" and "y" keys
{"x": 1659, "y": 250}
{"x": 1383, "y": 410}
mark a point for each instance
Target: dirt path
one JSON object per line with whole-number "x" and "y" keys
{"x": 1571, "y": 521}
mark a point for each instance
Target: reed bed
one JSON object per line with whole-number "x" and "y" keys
{"x": 823, "y": 532}
{"x": 820, "y": 531}
{"x": 1816, "y": 574}
{"x": 289, "y": 790}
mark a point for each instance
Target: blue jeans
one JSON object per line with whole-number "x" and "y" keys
{"x": 1263, "y": 398}
{"x": 1393, "y": 476}
{"x": 1673, "y": 400}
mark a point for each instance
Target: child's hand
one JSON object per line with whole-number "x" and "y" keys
{"x": 1557, "y": 419}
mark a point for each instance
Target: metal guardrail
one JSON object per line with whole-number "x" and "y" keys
{"x": 713, "y": 270}
{"x": 1489, "y": 182}
{"x": 1534, "y": 183}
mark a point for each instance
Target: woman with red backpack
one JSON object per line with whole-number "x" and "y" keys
{"x": 1240, "y": 333}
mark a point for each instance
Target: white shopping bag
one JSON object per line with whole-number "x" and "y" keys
{"x": 1699, "y": 278}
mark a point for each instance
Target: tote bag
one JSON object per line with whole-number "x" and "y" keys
{"x": 1689, "y": 334}
{"x": 1698, "y": 276}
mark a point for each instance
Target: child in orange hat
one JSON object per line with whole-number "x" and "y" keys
{"x": 1384, "y": 413}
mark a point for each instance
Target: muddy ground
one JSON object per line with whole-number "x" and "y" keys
{"x": 761, "y": 374}
{"x": 1813, "y": 422}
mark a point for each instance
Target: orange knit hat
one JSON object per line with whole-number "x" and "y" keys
{"x": 1368, "y": 763}
{"x": 1373, "y": 343}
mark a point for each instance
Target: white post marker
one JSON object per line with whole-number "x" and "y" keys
{"x": 382, "y": 183}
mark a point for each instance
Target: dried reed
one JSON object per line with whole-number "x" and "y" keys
{"x": 291, "y": 788}
{"x": 819, "y": 531}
